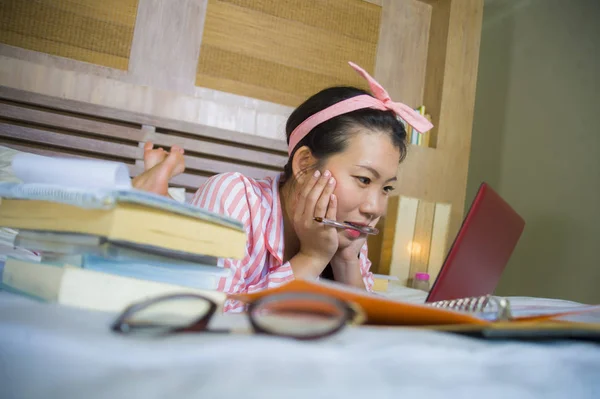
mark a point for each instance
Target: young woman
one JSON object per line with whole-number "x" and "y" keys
{"x": 344, "y": 149}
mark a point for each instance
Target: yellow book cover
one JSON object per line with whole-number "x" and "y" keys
{"x": 96, "y": 197}
{"x": 128, "y": 222}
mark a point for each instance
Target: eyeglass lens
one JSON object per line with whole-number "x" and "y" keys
{"x": 298, "y": 316}
{"x": 169, "y": 313}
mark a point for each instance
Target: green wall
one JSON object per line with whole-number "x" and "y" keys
{"x": 536, "y": 140}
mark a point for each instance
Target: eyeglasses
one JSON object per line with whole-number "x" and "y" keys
{"x": 294, "y": 315}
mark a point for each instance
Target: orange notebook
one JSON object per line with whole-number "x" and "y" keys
{"x": 383, "y": 311}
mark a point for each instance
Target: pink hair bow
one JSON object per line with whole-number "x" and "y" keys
{"x": 412, "y": 117}
{"x": 380, "y": 100}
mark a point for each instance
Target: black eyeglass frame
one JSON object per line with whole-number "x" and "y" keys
{"x": 352, "y": 314}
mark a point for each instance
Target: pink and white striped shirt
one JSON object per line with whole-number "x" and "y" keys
{"x": 256, "y": 204}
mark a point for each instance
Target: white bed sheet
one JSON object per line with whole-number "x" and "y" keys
{"x": 51, "y": 351}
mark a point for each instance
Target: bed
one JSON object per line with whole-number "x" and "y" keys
{"x": 53, "y": 351}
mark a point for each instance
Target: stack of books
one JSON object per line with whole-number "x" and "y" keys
{"x": 8, "y": 248}
{"x": 96, "y": 242}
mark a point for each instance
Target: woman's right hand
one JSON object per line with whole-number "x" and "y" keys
{"x": 316, "y": 199}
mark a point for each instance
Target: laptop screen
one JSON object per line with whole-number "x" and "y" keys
{"x": 481, "y": 250}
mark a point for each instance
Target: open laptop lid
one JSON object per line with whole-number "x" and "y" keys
{"x": 481, "y": 249}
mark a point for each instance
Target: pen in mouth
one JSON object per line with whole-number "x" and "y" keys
{"x": 347, "y": 225}
{"x": 363, "y": 228}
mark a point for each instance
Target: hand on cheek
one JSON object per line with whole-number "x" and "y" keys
{"x": 346, "y": 263}
{"x": 350, "y": 252}
{"x": 316, "y": 199}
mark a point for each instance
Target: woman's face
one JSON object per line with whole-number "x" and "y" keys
{"x": 365, "y": 174}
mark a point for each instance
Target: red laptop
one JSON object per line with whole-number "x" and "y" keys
{"x": 481, "y": 250}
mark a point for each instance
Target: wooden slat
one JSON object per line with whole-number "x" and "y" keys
{"x": 191, "y": 181}
{"x": 188, "y": 181}
{"x": 41, "y": 151}
{"x": 116, "y": 114}
{"x": 34, "y": 123}
{"x": 54, "y": 120}
{"x": 249, "y": 155}
{"x": 50, "y": 138}
{"x": 215, "y": 166}
{"x": 44, "y": 137}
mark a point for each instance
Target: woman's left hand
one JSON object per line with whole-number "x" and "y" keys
{"x": 346, "y": 263}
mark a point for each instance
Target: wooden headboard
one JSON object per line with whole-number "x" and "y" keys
{"x": 53, "y": 126}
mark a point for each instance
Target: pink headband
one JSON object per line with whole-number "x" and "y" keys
{"x": 380, "y": 100}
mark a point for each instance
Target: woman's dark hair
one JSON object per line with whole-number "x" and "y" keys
{"x": 331, "y": 137}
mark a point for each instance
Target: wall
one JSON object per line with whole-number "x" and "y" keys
{"x": 232, "y": 64}
{"x": 426, "y": 52}
{"x": 135, "y": 55}
{"x": 536, "y": 140}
